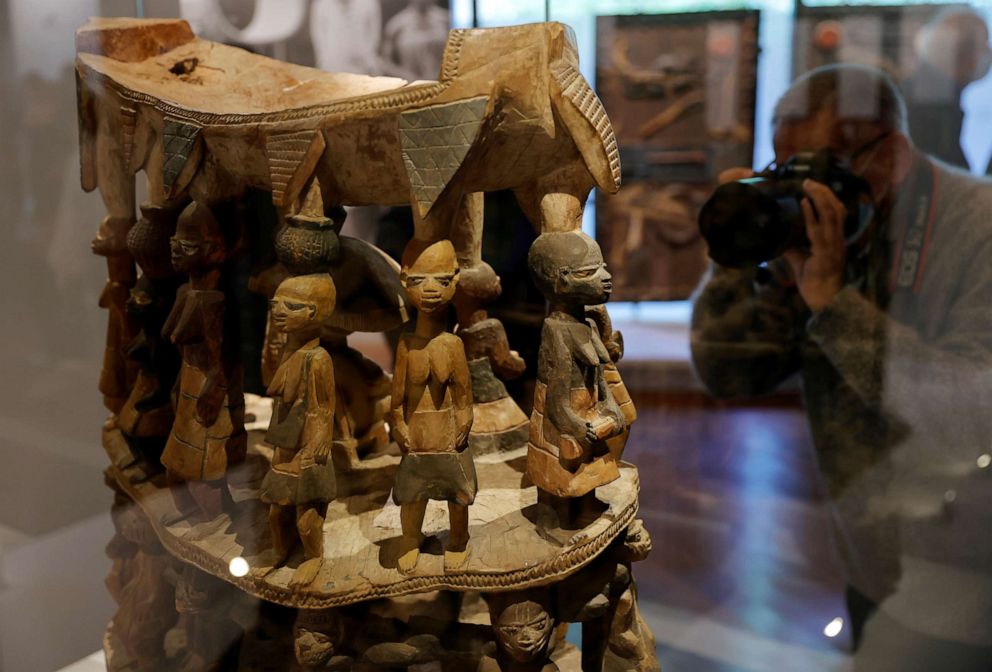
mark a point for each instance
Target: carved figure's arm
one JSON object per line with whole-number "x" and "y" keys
{"x": 397, "y": 422}
{"x": 318, "y": 429}
{"x": 558, "y": 401}
{"x": 461, "y": 381}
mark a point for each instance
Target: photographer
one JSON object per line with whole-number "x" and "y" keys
{"x": 890, "y": 330}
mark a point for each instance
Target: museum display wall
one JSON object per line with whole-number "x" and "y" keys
{"x": 407, "y": 335}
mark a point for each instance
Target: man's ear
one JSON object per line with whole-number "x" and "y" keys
{"x": 313, "y": 311}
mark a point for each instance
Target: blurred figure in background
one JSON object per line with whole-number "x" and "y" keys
{"x": 346, "y": 35}
{"x": 413, "y": 40}
{"x": 952, "y": 51}
{"x": 891, "y": 333}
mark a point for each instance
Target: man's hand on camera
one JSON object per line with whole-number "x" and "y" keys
{"x": 734, "y": 174}
{"x": 820, "y": 272}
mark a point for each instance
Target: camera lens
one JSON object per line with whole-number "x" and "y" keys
{"x": 750, "y": 221}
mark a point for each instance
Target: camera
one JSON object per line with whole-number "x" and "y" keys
{"x": 750, "y": 221}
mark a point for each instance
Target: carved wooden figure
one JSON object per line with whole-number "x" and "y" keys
{"x": 301, "y": 480}
{"x": 499, "y": 421}
{"x": 213, "y": 638}
{"x": 208, "y": 433}
{"x": 138, "y": 583}
{"x": 575, "y": 413}
{"x": 118, "y": 374}
{"x": 431, "y": 413}
{"x": 148, "y": 415}
{"x": 613, "y": 340}
{"x": 318, "y": 638}
{"x": 525, "y": 627}
{"x": 369, "y": 298}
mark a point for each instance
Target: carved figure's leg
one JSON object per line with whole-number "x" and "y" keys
{"x": 411, "y": 523}
{"x": 457, "y": 551}
{"x": 209, "y": 496}
{"x": 310, "y": 525}
{"x": 282, "y": 526}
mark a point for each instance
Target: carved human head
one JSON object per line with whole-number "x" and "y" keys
{"x": 302, "y": 302}
{"x": 523, "y": 628}
{"x": 479, "y": 283}
{"x": 429, "y": 274}
{"x": 199, "y": 244}
{"x": 568, "y": 268}
{"x": 316, "y": 635}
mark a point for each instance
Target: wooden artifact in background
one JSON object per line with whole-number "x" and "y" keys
{"x": 208, "y": 433}
{"x": 432, "y": 406}
{"x": 301, "y": 479}
{"x": 575, "y": 414}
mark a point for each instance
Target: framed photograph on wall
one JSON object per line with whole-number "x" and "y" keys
{"x": 680, "y": 91}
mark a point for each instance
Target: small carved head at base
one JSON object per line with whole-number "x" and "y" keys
{"x": 317, "y": 634}
{"x": 303, "y": 302}
{"x": 568, "y": 268}
{"x": 523, "y": 628}
{"x": 429, "y": 274}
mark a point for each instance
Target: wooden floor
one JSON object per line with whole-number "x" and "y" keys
{"x": 743, "y": 575}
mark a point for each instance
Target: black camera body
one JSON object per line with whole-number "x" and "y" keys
{"x": 751, "y": 221}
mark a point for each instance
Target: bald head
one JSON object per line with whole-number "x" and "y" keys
{"x": 844, "y": 106}
{"x": 956, "y": 43}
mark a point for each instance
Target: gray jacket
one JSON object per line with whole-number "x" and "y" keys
{"x": 897, "y": 386}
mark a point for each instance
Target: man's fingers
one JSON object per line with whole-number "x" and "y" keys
{"x": 796, "y": 259}
{"x": 734, "y": 174}
{"x": 815, "y": 229}
{"x": 829, "y": 209}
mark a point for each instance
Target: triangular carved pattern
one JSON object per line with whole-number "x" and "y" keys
{"x": 435, "y": 141}
{"x": 285, "y": 153}
{"x": 179, "y": 138}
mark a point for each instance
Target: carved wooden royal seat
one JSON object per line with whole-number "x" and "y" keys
{"x": 210, "y": 127}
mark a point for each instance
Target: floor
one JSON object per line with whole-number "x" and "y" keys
{"x": 743, "y": 574}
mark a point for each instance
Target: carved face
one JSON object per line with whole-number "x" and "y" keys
{"x": 291, "y": 313}
{"x": 302, "y": 302}
{"x": 524, "y": 630}
{"x": 569, "y": 268}
{"x": 313, "y": 648}
{"x": 198, "y": 244}
{"x": 429, "y": 275}
{"x": 587, "y": 281}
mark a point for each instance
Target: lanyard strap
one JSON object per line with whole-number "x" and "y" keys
{"x": 911, "y": 254}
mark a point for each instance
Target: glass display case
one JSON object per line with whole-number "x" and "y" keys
{"x": 310, "y": 364}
